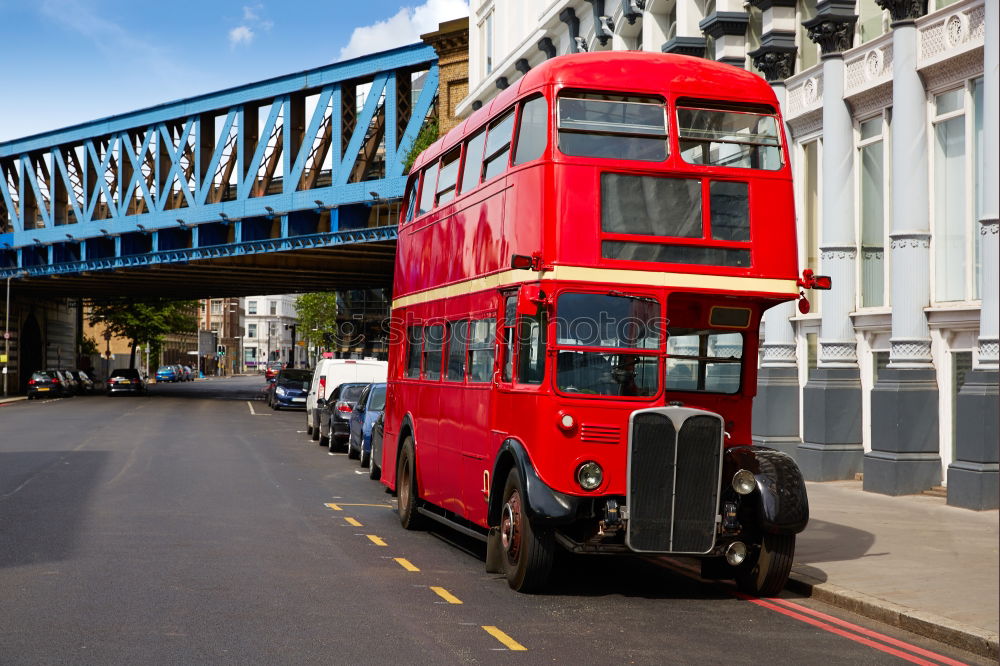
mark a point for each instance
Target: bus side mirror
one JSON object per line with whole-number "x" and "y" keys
{"x": 530, "y": 299}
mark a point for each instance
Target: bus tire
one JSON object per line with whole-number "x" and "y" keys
{"x": 528, "y": 551}
{"x": 765, "y": 574}
{"x": 406, "y": 487}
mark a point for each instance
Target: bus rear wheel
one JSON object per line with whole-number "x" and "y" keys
{"x": 765, "y": 574}
{"x": 527, "y": 550}
{"x": 406, "y": 487}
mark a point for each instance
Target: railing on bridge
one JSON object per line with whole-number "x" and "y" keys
{"x": 291, "y": 162}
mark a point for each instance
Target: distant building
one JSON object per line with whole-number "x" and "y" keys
{"x": 269, "y": 334}
{"x": 224, "y": 318}
{"x": 894, "y": 146}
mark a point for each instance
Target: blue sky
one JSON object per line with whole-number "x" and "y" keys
{"x": 70, "y": 61}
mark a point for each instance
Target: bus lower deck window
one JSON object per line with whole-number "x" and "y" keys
{"x": 704, "y": 360}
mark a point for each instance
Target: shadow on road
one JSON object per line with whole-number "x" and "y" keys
{"x": 216, "y": 388}
{"x": 43, "y": 501}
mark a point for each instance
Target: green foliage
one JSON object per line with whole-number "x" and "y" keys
{"x": 428, "y": 135}
{"x": 145, "y": 322}
{"x": 88, "y": 345}
{"x": 317, "y": 312}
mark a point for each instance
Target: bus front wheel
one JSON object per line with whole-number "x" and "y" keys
{"x": 765, "y": 574}
{"x": 527, "y": 550}
{"x": 406, "y": 486}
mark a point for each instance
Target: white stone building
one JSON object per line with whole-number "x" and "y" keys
{"x": 268, "y": 331}
{"x": 891, "y": 110}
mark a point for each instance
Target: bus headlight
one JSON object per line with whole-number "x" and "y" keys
{"x": 589, "y": 475}
{"x": 744, "y": 482}
{"x": 736, "y": 553}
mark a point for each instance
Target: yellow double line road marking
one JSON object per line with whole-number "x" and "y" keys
{"x": 338, "y": 507}
{"x": 509, "y": 642}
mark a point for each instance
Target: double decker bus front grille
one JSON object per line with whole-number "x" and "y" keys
{"x": 673, "y": 483}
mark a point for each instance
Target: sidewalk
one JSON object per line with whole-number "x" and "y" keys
{"x": 13, "y": 398}
{"x": 912, "y": 562}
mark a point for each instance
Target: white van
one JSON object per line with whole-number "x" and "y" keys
{"x": 331, "y": 373}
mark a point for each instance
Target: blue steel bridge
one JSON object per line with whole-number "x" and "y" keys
{"x": 288, "y": 184}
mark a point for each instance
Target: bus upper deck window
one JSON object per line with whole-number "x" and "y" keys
{"x": 448, "y": 176}
{"x": 532, "y": 132}
{"x": 739, "y": 139}
{"x": 613, "y": 126}
{"x": 473, "y": 162}
{"x": 411, "y": 199}
{"x": 428, "y": 183}
{"x": 498, "y": 146}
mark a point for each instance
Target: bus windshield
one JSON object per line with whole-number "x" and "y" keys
{"x": 613, "y": 126}
{"x": 629, "y": 329}
{"x": 728, "y": 138}
{"x": 706, "y": 360}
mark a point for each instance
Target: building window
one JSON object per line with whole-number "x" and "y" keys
{"x": 216, "y": 307}
{"x": 956, "y": 194}
{"x": 249, "y": 355}
{"x": 872, "y": 21}
{"x": 488, "y": 44}
{"x": 872, "y": 190}
{"x": 251, "y": 307}
{"x": 808, "y": 50}
{"x": 272, "y": 307}
{"x": 251, "y": 330}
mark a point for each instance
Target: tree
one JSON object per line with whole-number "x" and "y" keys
{"x": 144, "y": 322}
{"x": 317, "y": 313}
{"x": 428, "y": 134}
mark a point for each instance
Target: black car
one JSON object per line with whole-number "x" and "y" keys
{"x": 375, "y": 465}
{"x": 289, "y": 389}
{"x": 84, "y": 384}
{"x": 125, "y": 380}
{"x": 49, "y": 384}
{"x": 335, "y": 415}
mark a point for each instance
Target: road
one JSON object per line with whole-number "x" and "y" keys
{"x": 195, "y": 525}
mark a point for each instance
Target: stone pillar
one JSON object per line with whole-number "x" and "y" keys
{"x": 905, "y": 457}
{"x": 776, "y": 407}
{"x": 831, "y": 401}
{"x": 728, "y": 30}
{"x": 973, "y": 476}
{"x": 688, "y": 39}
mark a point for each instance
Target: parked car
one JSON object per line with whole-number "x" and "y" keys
{"x": 84, "y": 384}
{"x": 167, "y": 373}
{"x": 69, "y": 381}
{"x": 289, "y": 389}
{"x": 188, "y": 373}
{"x": 331, "y": 373}
{"x": 378, "y": 433}
{"x": 48, "y": 384}
{"x": 334, "y": 415}
{"x": 369, "y": 407}
{"x": 272, "y": 369}
{"x": 125, "y": 380}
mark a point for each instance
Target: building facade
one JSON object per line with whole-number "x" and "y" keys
{"x": 270, "y": 332}
{"x": 224, "y": 318}
{"x": 891, "y": 115}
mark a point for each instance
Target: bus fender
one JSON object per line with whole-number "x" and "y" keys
{"x": 782, "y": 506}
{"x": 405, "y": 425}
{"x": 545, "y": 506}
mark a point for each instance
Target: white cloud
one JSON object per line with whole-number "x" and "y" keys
{"x": 403, "y": 28}
{"x": 250, "y": 12}
{"x": 241, "y": 34}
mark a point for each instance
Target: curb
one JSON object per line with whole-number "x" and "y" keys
{"x": 7, "y": 401}
{"x": 972, "y": 639}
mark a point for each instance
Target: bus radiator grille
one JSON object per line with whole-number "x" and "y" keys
{"x": 674, "y": 483}
{"x": 651, "y": 482}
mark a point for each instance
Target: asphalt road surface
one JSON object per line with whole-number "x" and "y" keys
{"x": 195, "y": 525}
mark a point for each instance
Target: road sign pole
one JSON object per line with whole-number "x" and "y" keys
{"x": 6, "y": 340}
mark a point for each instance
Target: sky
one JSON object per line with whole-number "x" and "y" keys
{"x": 71, "y": 61}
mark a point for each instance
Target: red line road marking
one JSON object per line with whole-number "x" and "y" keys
{"x": 840, "y": 632}
{"x": 873, "y": 634}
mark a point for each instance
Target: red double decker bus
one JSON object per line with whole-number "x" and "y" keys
{"x": 580, "y": 277}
